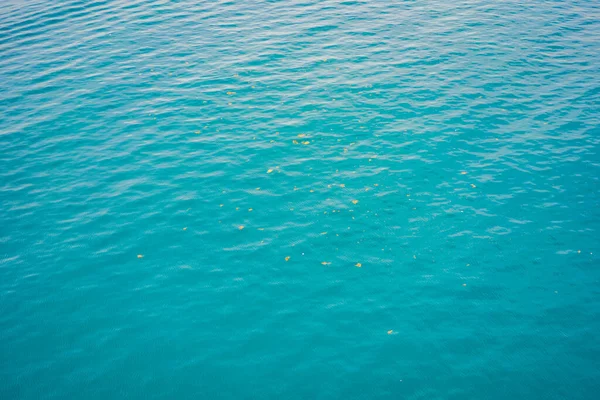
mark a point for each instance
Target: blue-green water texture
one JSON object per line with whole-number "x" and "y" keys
{"x": 299, "y": 199}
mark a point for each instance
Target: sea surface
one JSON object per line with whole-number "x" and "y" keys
{"x": 299, "y": 199}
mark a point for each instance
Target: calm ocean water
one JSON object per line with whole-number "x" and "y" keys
{"x": 299, "y": 199}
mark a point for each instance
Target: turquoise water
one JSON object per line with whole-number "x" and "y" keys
{"x": 431, "y": 169}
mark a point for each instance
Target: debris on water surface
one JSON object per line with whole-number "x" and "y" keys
{"x": 390, "y": 332}
{"x": 325, "y": 263}
{"x": 269, "y": 171}
{"x": 140, "y": 256}
{"x": 358, "y": 265}
{"x": 241, "y": 227}
{"x": 287, "y": 258}
{"x": 354, "y": 201}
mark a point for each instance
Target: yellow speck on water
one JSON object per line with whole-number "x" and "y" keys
{"x": 237, "y": 209}
{"x": 323, "y": 233}
{"x": 261, "y": 229}
{"x": 354, "y": 201}
{"x": 342, "y": 185}
{"x": 358, "y": 265}
{"x": 230, "y": 93}
{"x": 269, "y": 171}
{"x": 473, "y": 186}
{"x": 312, "y": 191}
{"x": 257, "y": 188}
{"x": 463, "y": 172}
{"x": 325, "y": 263}
{"x": 376, "y": 184}
{"x": 390, "y": 332}
{"x": 464, "y": 284}
{"x": 301, "y": 135}
{"x": 294, "y": 141}
{"x": 287, "y": 258}
{"x": 306, "y": 142}
{"x": 249, "y": 209}
{"x": 140, "y": 256}
{"x": 185, "y": 229}
{"x": 241, "y": 227}
{"x": 197, "y": 132}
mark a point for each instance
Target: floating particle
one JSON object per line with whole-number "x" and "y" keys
{"x": 473, "y": 186}
{"x": 249, "y": 209}
{"x": 237, "y": 209}
{"x": 230, "y": 93}
{"x": 414, "y": 256}
{"x": 241, "y": 227}
{"x": 261, "y": 229}
{"x": 269, "y": 171}
{"x": 323, "y": 233}
{"x": 197, "y": 132}
{"x": 185, "y": 229}
{"x": 294, "y": 141}
{"x": 301, "y": 135}
{"x": 325, "y": 263}
{"x": 287, "y": 258}
{"x": 578, "y": 251}
{"x": 140, "y": 256}
{"x": 257, "y": 188}
{"x": 306, "y": 142}
{"x": 390, "y": 332}
{"x": 220, "y": 205}
{"x": 358, "y": 265}
{"x": 464, "y": 284}
{"x": 354, "y": 201}
{"x": 343, "y": 185}
{"x": 463, "y": 172}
